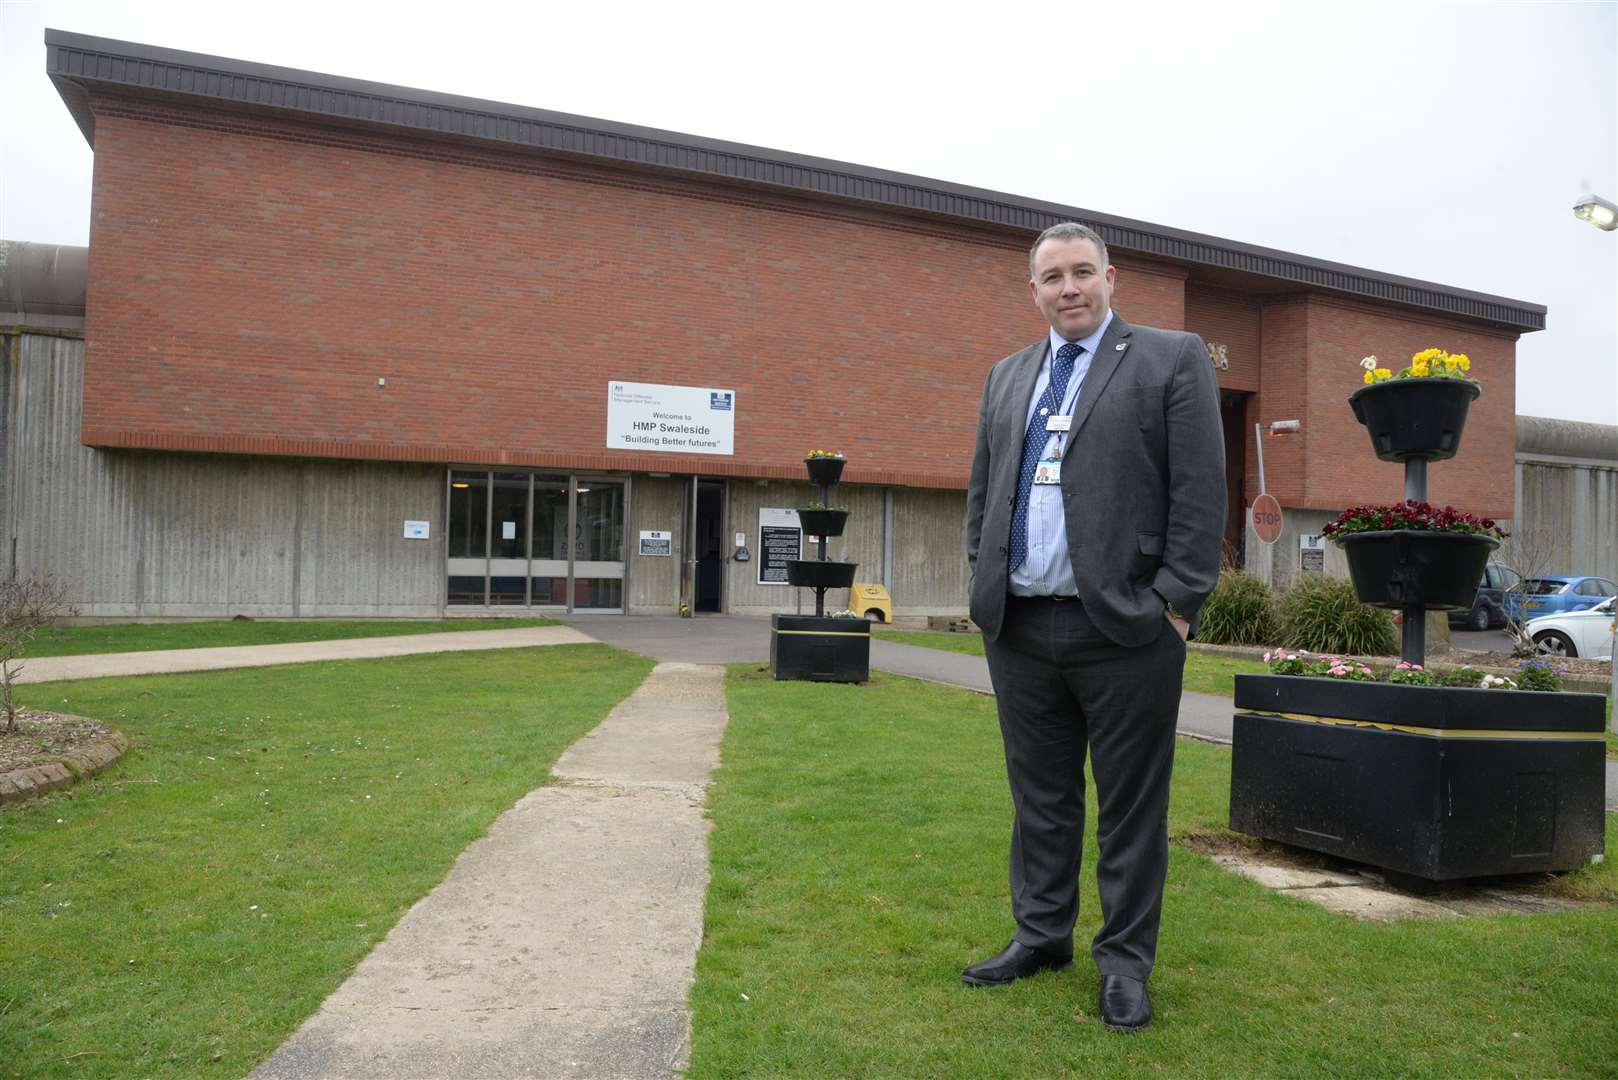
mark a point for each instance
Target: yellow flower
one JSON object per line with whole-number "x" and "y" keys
{"x": 1383, "y": 373}
{"x": 1460, "y": 360}
{"x": 1369, "y": 378}
{"x": 1424, "y": 356}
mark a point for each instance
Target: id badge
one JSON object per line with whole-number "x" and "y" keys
{"x": 1048, "y": 471}
{"x": 1058, "y": 423}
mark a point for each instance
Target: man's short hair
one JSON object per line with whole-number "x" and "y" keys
{"x": 1068, "y": 230}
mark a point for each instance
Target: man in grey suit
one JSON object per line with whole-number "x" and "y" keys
{"x": 1094, "y": 519}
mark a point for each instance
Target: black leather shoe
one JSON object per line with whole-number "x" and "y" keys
{"x": 1125, "y": 1004}
{"x": 1014, "y": 962}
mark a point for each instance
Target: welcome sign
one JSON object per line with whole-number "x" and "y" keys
{"x": 671, "y": 419}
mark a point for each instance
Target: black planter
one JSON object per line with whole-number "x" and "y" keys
{"x": 1414, "y": 419}
{"x": 1431, "y": 782}
{"x": 820, "y": 649}
{"x": 825, "y": 471}
{"x": 1401, "y": 568}
{"x": 822, "y": 522}
{"x": 810, "y": 574}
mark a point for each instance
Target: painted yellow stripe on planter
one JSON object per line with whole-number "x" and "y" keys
{"x": 826, "y": 633}
{"x": 1440, "y": 733}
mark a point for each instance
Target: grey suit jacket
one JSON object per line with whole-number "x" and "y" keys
{"x": 1143, "y": 481}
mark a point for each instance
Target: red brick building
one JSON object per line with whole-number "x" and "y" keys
{"x": 339, "y": 306}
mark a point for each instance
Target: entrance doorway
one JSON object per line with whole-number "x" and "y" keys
{"x": 1233, "y": 414}
{"x": 710, "y": 545}
{"x": 519, "y": 539}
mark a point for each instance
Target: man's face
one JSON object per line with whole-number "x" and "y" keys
{"x": 1071, "y": 287}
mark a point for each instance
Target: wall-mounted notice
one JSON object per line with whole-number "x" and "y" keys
{"x": 655, "y": 543}
{"x": 670, "y": 419}
{"x": 780, "y": 537}
{"x": 1312, "y": 553}
{"x": 416, "y": 530}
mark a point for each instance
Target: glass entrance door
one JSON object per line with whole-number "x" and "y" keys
{"x": 508, "y": 540}
{"x": 598, "y": 564}
{"x": 519, "y": 539}
{"x": 548, "y": 568}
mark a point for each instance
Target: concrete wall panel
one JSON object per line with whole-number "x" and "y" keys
{"x": 930, "y": 573}
{"x": 1570, "y": 524}
{"x": 137, "y": 533}
{"x": 654, "y": 582}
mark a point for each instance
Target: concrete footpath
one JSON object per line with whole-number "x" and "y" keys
{"x": 562, "y": 944}
{"x": 169, "y": 661}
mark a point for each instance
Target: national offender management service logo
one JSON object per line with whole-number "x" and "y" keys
{"x": 719, "y": 401}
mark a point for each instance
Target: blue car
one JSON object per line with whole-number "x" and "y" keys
{"x": 1540, "y": 596}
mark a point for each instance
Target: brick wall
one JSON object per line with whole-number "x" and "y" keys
{"x": 1343, "y": 470}
{"x": 1232, "y": 319}
{"x": 249, "y": 284}
{"x": 251, "y": 280}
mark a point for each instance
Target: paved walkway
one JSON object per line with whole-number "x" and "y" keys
{"x": 168, "y": 661}
{"x": 564, "y": 942}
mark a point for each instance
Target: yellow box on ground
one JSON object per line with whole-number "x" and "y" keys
{"x": 866, "y": 600}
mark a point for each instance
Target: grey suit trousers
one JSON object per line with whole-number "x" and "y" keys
{"x": 1062, "y": 686}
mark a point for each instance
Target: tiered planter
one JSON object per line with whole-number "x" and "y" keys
{"x": 1414, "y": 419}
{"x": 815, "y": 647}
{"x": 1430, "y": 782}
{"x": 1428, "y": 571}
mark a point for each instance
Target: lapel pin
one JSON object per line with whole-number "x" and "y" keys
{"x": 1119, "y": 346}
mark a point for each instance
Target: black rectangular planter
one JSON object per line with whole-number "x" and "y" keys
{"x": 820, "y": 649}
{"x": 1432, "y": 782}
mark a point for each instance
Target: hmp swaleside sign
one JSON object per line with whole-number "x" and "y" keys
{"x": 671, "y": 419}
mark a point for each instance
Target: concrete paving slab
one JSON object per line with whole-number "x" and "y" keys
{"x": 1370, "y": 902}
{"x": 168, "y": 661}
{"x": 562, "y": 944}
{"x": 1288, "y": 877}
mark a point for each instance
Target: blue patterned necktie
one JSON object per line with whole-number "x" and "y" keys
{"x": 1033, "y": 445}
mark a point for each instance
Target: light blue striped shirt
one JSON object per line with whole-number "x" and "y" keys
{"x": 1048, "y": 571}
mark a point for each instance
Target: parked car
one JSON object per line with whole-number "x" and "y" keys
{"x": 1555, "y": 594}
{"x": 1488, "y": 608}
{"x": 1586, "y": 633}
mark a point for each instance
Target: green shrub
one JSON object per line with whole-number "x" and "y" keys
{"x": 1240, "y": 611}
{"x": 1320, "y": 613}
{"x": 1538, "y": 675}
{"x": 1408, "y": 674}
{"x": 1462, "y": 676}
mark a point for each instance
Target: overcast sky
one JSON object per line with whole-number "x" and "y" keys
{"x": 1446, "y": 142}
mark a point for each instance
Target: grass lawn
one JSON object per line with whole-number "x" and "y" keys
{"x": 142, "y": 637}
{"x": 859, "y": 862}
{"x": 182, "y": 913}
{"x": 1205, "y": 673}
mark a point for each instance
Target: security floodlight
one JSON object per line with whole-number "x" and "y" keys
{"x": 1285, "y": 427}
{"x": 1597, "y": 211}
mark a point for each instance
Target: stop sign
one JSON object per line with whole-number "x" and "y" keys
{"x": 1267, "y": 518}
